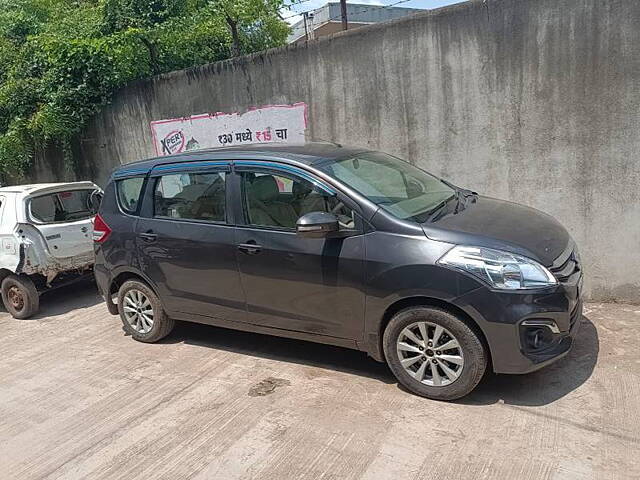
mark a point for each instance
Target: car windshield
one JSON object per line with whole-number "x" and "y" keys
{"x": 62, "y": 206}
{"x": 397, "y": 186}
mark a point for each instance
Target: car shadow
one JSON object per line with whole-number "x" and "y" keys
{"x": 81, "y": 294}
{"x": 318, "y": 355}
{"x": 546, "y": 385}
{"x": 535, "y": 389}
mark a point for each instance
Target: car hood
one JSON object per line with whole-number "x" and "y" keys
{"x": 493, "y": 223}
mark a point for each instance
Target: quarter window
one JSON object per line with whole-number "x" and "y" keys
{"x": 194, "y": 196}
{"x": 129, "y": 193}
{"x": 274, "y": 200}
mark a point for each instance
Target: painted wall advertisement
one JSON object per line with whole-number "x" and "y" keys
{"x": 269, "y": 124}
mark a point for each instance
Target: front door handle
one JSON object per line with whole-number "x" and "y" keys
{"x": 148, "y": 236}
{"x": 250, "y": 248}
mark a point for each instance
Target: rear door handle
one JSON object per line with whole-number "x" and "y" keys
{"x": 249, "y": 248}
{"x": 148, "y": 236}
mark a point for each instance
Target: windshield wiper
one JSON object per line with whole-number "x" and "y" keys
{"x": 435, "y": 212}
{"x": 462, "y": 196}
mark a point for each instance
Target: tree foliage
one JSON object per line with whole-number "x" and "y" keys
{"x": 62, "y": 60}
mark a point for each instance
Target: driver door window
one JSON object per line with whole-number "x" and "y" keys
{"x": 277, "y": 201}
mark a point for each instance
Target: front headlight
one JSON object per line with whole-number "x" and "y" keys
{"x": 499, "y": 269}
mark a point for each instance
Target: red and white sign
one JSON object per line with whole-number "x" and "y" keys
{"x": 270, "y": 124}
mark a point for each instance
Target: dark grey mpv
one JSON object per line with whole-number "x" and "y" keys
{"x": 342, "y": 246}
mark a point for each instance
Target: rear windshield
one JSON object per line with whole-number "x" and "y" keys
{"x": 62, "y": 206}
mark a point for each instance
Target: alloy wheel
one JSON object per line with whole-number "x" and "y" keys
{"x": 430, "y": 354}
{"x": 138, "y": 311}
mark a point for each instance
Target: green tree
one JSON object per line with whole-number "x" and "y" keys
{"x": 62, "y": 60}
{"x": 243, "y": 15}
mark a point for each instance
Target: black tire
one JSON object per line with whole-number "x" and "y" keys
{"x": 162, "y": 324}
{"x": 20, "y": 297}
{"x": 473, "y": 352}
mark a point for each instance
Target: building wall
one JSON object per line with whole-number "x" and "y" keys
{"x": 356, "y": 13}
{"x": 536, "y": 101}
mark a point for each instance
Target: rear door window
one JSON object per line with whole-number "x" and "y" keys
{"x": 193, "y": 196}
{"x": 66, "y": 206}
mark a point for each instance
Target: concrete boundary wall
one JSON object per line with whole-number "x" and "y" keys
{"x": 536, "y": 101}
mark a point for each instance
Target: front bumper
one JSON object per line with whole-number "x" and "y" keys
{"x": 500, "y": 316}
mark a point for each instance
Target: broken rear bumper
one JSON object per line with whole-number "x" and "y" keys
{"x": 34, "y": 261}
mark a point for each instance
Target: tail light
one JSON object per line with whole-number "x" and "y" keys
{"x": 101, "y": 230}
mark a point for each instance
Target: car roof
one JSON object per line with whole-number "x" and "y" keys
{"x": 305, "y": 153}
{"x": 40, "y": 187}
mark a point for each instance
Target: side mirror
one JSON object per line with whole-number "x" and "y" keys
{"x": 317, "y": 224}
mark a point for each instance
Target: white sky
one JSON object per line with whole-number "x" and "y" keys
{"x": 306, "y": 5}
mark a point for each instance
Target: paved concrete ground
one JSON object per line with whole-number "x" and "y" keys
{"x": 78, "y": 399}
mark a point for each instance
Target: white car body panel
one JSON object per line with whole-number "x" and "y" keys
{"x": 30, "y": 247}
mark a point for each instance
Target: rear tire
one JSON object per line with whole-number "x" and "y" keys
{"x": 20, "y": 297}
{"x": 422, "y": 365}
{"x": 141, "y": 312}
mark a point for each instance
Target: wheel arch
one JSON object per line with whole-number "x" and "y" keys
{"x": 117, "y": 281}
{"x": 4, "y": 273}
{"x": 425, "y": 301}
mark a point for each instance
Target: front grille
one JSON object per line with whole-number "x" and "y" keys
{"x": 568, "y": 268}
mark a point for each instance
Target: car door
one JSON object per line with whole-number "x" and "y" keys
{"x": 311, "y": 285}
{"x": 186, "y": 241}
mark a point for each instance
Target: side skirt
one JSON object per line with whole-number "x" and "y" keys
{"x": 277, "y": 332}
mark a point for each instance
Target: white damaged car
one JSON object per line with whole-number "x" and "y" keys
{"x": 45, "y": 240}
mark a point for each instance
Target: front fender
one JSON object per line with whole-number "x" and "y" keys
{"x": 389, "y": 288}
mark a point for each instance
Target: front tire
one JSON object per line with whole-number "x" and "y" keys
{"x": 20, "y": 297}
{"x": 141, "y": 312}
{"x": 433, "y": 353}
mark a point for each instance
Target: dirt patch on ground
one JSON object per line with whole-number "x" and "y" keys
{"x": 267, "y": 386}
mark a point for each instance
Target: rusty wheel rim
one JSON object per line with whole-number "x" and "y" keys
{"x": 16, "y": 298}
